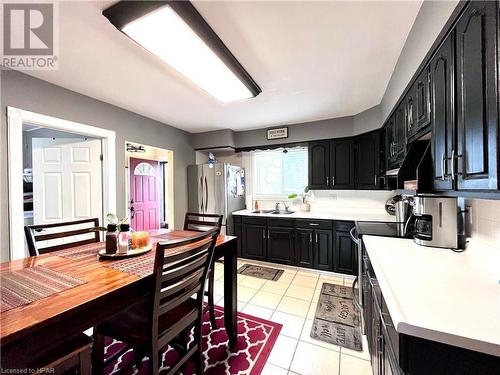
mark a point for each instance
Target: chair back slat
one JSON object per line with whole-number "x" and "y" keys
{"x": 69, "y": 234}
{"x": 202, "y": 222}
{"x": 171, "y": 304}
{"x": 45, "y": 250}
{"x": 175, "y": 288}
{"x": 173, "y": 274}
{"x": 180, "y": 275}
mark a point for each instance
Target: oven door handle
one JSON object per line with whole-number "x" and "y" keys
{"x": 355, "y": 298}
{"x": 354, "y": 238}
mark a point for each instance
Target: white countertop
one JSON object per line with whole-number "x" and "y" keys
{"x": 341, "y": 214}
{"x": 440, "y": 295}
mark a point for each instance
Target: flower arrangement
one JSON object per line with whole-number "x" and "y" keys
{"x": 304, "y": 205}
{"x": 112, "y": 219}
{"x": 302, "y": 196}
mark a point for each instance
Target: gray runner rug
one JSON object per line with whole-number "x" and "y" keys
{"x": 261, "y": 272}
{"x": 337, "y": 319}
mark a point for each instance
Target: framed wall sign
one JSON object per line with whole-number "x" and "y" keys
{"x": 277, "y": 133}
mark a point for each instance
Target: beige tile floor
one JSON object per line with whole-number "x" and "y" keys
{"x": 291, "y": 301}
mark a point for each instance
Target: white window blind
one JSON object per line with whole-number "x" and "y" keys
{"x": 279, "y": 173}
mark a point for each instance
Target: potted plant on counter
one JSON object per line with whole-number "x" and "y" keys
{"x": 304, "y": 205}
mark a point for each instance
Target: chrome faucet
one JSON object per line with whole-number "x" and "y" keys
{"x": 286, "y": 206}
{"x": 277, "y": 206}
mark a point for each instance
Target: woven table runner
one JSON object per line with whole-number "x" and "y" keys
{"x": 141, "y": 266}
{"x": 19, "y": 288}
{"x": 79, "y": 252}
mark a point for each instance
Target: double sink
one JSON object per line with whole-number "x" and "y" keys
{"x": 273, "y": 212}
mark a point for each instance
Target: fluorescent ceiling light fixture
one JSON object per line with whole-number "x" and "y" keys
{"x": 191, "y": 48}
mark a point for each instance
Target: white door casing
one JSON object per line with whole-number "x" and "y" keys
{"x": 15, "y": 119}
{"x": 67, "y": 180}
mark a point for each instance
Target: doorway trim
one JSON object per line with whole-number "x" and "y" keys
{"x": 15, "y": 119}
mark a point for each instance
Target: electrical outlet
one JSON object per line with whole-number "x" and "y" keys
{"x": 469, "y": 214}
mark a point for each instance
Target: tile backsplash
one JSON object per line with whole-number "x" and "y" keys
{"x": 484, "y": 222}
{"x": 341, "y": 200}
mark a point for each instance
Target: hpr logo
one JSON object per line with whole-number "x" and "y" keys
{"x": 28, "y": 29}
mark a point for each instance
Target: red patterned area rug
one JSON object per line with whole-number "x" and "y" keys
{"x": 256, "y": 338}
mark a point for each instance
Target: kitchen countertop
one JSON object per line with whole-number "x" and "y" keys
{"x": 440, "y": 295}
{"x": 342, "y": 214}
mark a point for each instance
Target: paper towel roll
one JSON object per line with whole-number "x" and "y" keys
{"x": 248, "y": 202}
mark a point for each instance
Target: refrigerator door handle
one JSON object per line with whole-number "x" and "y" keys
{"x": 206, "y": 194}
{"x": 201, "y": 200}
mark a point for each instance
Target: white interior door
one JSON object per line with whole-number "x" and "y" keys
{"x": 67, "y": 180}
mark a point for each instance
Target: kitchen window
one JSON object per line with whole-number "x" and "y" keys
{"x": 279, "y": 173}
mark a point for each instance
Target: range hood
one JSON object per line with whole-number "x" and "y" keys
{"x": 415, "y": 173}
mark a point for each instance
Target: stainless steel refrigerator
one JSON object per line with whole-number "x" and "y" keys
{"x": 216, "y": 189}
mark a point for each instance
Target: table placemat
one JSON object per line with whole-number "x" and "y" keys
{"x": 141, "y": 266}
{"x": 82, "y": 251}
{"x": 19, "y": 288}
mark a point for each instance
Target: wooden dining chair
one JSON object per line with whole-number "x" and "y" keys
{"x": 180, "y": 271}
{"x": 58, "y": 231}
{"x": 202, "y": 222}
{"x": 76, "y": 353}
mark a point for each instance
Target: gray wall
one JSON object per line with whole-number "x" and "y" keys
{"x": 307, "y": 131}
{"x": 428, "y": 24}
{"x": 215, "y": 138}
{"x": 28, "y": 93}
{"x": 367, "y": 120}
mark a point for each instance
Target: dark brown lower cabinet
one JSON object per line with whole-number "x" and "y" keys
{"x": 280, "y": 245}
{"x": 304, "y": 247}
{"x": 394, "y": 353}
{"x": 323, "y": 249}
{"x": 254, "y": 238}
{"x": 345, "y": 251}
{"x": 321, "y": 244}
{"x": 237, "y": 232}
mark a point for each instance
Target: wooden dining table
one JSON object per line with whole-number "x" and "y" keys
{"x": 28, "y": 330}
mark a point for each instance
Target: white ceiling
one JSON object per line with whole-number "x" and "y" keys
{"x": 313, "y": 60}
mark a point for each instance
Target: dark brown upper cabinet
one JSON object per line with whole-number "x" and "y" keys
{"x": 400, "y": 128}
{"x": 442, "y": 100}
{"x": 367, "y": 160}
{"x": 319, "y": 165}
{"x": 418, "y": 105}
{"x": 411, "y": 112}
{"x": 342, "y": 163}
{"x": 391, "y": 159}
{"x": 476, "y": 151}
{"x": 395, "y": 133}
{"x": 422, "y": 109}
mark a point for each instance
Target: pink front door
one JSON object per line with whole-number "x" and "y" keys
{"x": 144, "y": 197}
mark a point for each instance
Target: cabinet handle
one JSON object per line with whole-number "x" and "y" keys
{"x": 327, "y": 180}
{"x": 264, "y": 234}
{"x": 310, "y": 237}
{"x": 453, "y": 165}
{"x": 375, "y": 180}
{"x": 333, "y": 181}
{"x": 313, "y": 224}
{"x": 442, "y": 167}
{"x": 408, "y": 118}
{"x": 316, "y": 237}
